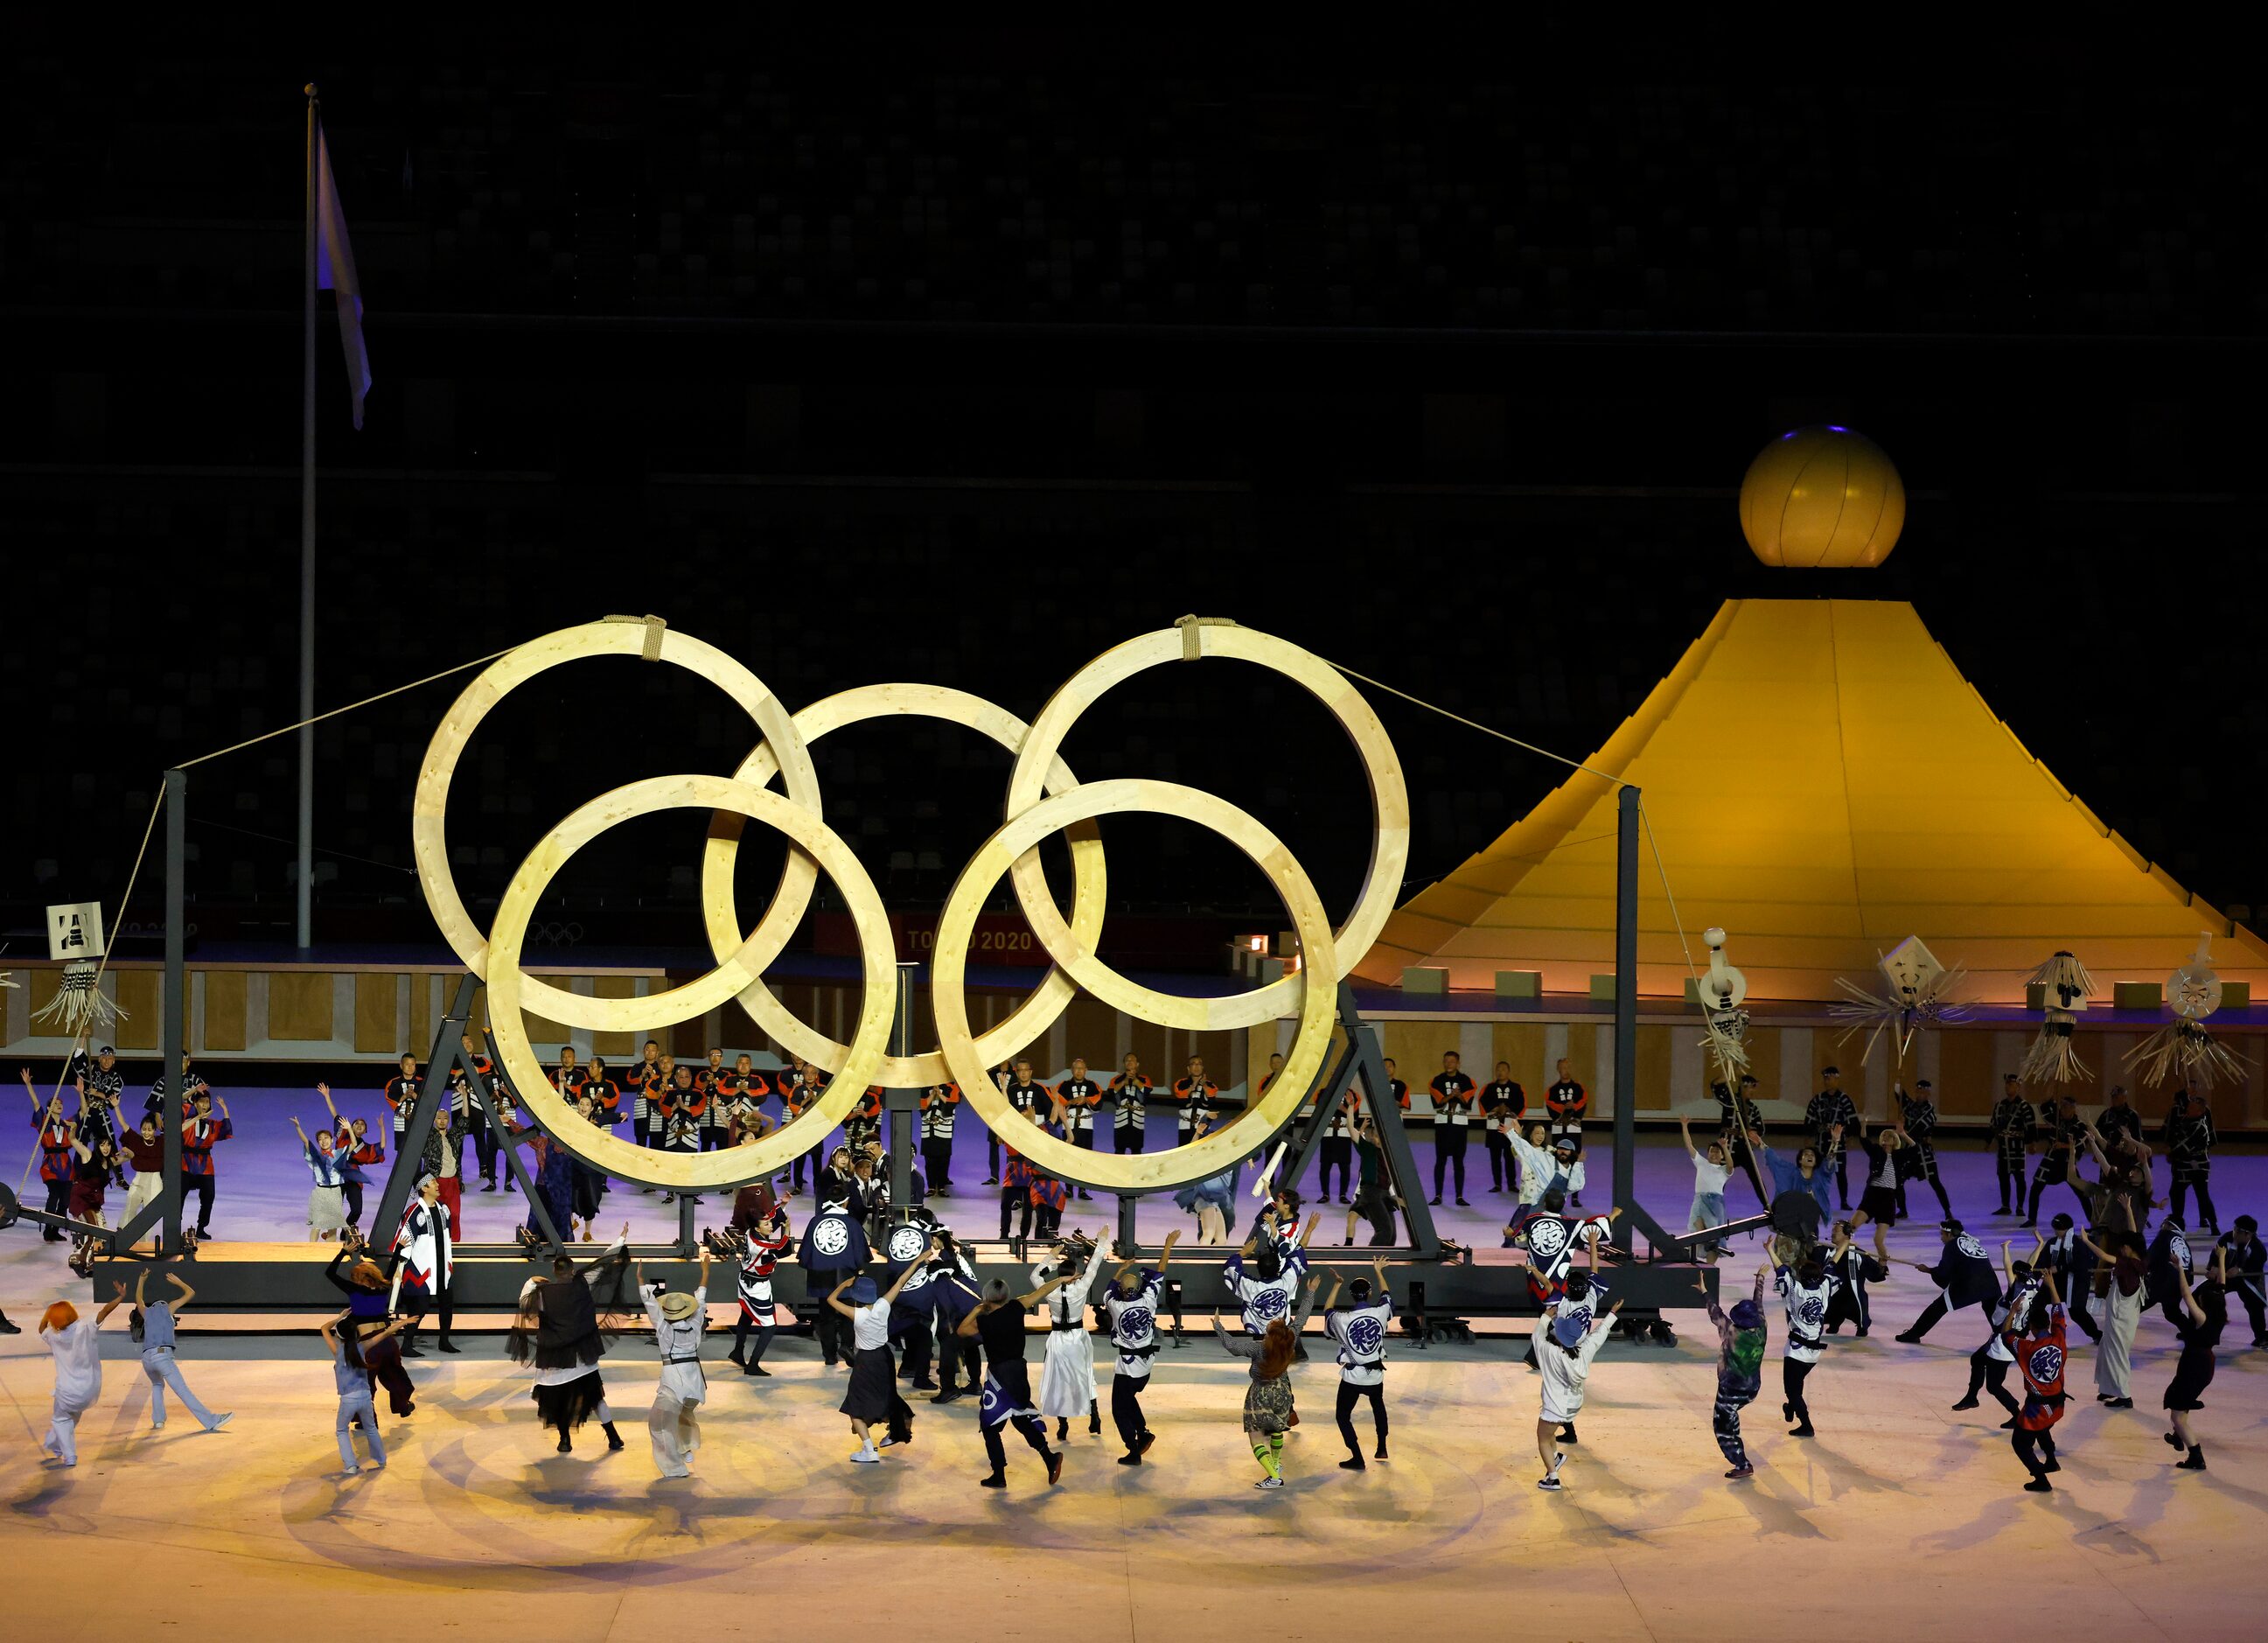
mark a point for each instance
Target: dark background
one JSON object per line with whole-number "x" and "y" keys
{"x": 959, "y": 356}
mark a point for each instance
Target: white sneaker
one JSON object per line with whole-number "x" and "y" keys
{"x": 1270, "y": 1483}
{"x": 867, "y": 1457}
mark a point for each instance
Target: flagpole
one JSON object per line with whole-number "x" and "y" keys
{"x": 307, "y": 541}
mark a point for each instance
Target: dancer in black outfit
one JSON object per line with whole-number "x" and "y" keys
{"x": 2011, "y": 1126}
{"x": 998, "y": 1323}
{"x": 1453, "y": 1118}
{"x": 1917, "y": 1117}
{"x": 1502, "y": 1105}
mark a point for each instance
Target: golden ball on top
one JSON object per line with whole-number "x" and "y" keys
{"x": 1823, "y": 498}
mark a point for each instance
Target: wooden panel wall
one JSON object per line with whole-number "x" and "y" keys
{"x": 377, "y": 1023}
{"x": 138, "y": 993}
{"x": 227, "y": 995}
{"x": 299, "y": 1005}
{"x": 1524, "y": 1044}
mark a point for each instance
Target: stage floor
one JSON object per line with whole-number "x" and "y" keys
{"x": 1901, "y": 1514}
{"x": 1901, "y": 1517}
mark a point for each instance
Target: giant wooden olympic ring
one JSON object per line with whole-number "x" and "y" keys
{"x": 1042, "y": 796}
{"x": 732, "y": 1165}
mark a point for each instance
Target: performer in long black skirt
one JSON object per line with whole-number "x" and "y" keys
{"x": 559, "y": 1333}
{"x": 873, "y": 1396}
{"x": 998, "y": 1323}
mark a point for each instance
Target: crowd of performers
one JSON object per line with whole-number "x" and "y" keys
{"x": 925, "y": 1321}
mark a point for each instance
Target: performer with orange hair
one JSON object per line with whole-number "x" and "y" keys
{"x": 78, "y": 1370}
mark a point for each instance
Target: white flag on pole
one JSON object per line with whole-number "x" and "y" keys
{"x": 334, "y": 271}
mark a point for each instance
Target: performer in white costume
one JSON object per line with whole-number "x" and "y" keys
{"x": 1067, "y": 1378}
{"x": 677, "y": 1320}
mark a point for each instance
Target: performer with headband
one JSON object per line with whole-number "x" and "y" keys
{"x": 1078, "y": 1096}
{"x": 1503, "y": 1104}
{"x": 1131, "y": 1304}
{"x": 1963, "y": 1276}
{"x": 1361, "y": 1331}
{"x": 428, "y": 1262}
{"x": 1808, "y": 1289}
{"x": 938, "y": 1102}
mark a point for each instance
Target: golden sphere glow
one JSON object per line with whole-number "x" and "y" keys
{"x": 1823, "y": 497}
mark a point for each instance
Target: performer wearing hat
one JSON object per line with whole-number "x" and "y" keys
{"x": 1361, "y": 1331}
{"x": 1830, "y": 1114}
{"x": 997, "y": 1322}
{"x": 1131, "y": 1303}
{"x": 1740, "y": 1370}
{"x": 1917, "y": 1117}
{"x": 2011, "y": 1127}
{"x": 1573, "y": 1325}
{"x": 677, "y": 1320}
{"x": 1963, "y": 1277}
{"x": 1067, "y": 1376}
{"x": 2065, "y": 1258}
{"x": 558, "y": 1332}
{"x": 766, "y": 1242}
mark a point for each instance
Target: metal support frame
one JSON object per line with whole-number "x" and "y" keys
{"x": 410, "y": 1154}
{"x": 899, "y": 1107}
{"x": 1625, "y": 1195}
{"x": 172, "y": 1038}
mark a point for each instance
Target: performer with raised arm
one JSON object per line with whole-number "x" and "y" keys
{"x": 1570, "y": 1330}
{"x": 200, "y": 1134}
{"x": 1131, "y": 1303}
{"x": 873, "y": 1395}
{"x": 77, "y": 1352}
{"x": 349, "y": 1375}
{"x": 1963, "y": 1277}
{"x": 152, "y": 1324}
{"x": 55, "y": 1154}
{"x": 1807, "y": 1288}
{"x": 2036, "y": 1343}
{"x": 327, "y": 1204}
{"x": 559, "y": 1334}
{"x": 1710, "y": 1174}
{"x": 767, "y": 1241}
{"x": 678, "y": 1320}
{"x": 1067, "y": 1376}
{"x": 2205, "y": 1309}
{"x": 1265, "y": 1289}
{"x": 1268, "y": 1413}
{"x": 1361, "y": 1331}
{"x": 997, "y": 1322}
{"x": 2123, "y": 1300}
{"x": 1740, "y": 1370}
{"x": 1989, "y": 1364}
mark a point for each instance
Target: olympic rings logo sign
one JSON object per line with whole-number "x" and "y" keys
{"x": 1043, "y": 798}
